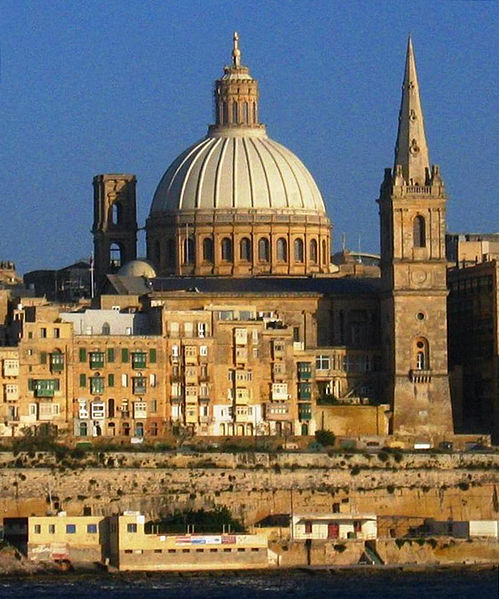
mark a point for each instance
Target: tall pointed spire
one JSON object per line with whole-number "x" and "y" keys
{"x": 411, "y": 150}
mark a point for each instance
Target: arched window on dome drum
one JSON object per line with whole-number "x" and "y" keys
{"x": 234, "y": 113}
{"x": 313, "y": 251}
{"x": 263, "y": 250}
{"x": 115, "y": 255}
{"x": 189, "y": 251}
{"x": 170, "y": 252}
{"x": 227, "y": 249}
{"x": 255, "y": 116}
{"x": 282, "y": 250}
{"x": 419, "y": 231}
{"x": 245, "y": 113}
{"x": 298, "y": 244}
{"x": 208, "y": 249}
{"x": 245, "y": 249}
{"x": 324, "y": 252}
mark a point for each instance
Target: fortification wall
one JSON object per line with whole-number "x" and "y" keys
{"x": 253, "y": 485}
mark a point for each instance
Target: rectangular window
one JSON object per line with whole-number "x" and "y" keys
{"x": 322, "y": 362}
{"x": 83, "y": 354}
{"x": 152, "y": 380}
{"x": 308, "y": 527}
{"x": 37, "y": 529}
{"x": 91, "y": 529}
{"x": 56, "y": 362}
{"x": 154, "y": 406}
{"x": 139, "y": 385}
{"x": 203, "y": 350}
{"x": 152, "y": 356}
{"x": 46, "y": 387}
{"x": 124, "y": 355}
{"x": 43, "y": 332}
{"x": 96, "y": 385}
{"x": 43, "y": 357}
{"x": 110, "y": 354}
{"x": 175, "y": 351}
{"x": 139, "y": 360}
{"x": 131, "y": 527}
{"x": 110, "y": 380}
{"x": 52, "y": 529}
{"x": 83, "y": 380}
{"x": 97, "y": 359}
{"x": 124, "y": 380}
{"x": 57, "y": 332}
{"x": 70, "y": 529}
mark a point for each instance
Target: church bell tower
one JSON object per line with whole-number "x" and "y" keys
{"x": 412, "y": 206}
{"x": 115, "y": 223}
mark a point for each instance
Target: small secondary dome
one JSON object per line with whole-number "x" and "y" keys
{"x": 137, "y": 268}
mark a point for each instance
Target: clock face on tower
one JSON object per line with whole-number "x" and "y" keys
{"x": 418, "y": 276}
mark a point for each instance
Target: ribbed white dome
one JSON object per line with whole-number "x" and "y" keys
{"x": 246, "y": 170}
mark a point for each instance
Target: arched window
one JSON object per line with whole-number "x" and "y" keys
{"x": 189, "y": 251}
{"x": 110, "y": 408}
{"x": 83, "y": 429}
{"x": 313, "y": 251}
{"x": 234, "y": 113}
{"x": 115, "y": 255}
{"x": 225, "y": 113}
{"x": 421, "y": 354}
{"x": 170, "y": 252}
{"x": 208, "y": 249}
{"x": 227, "y": 249}
{"x": 255, "y": 115}
{"x": 245, "y": 113}
{"x": 419, "y": 231}
{"x": 282, "y": 250}
{"x": 245, "y": 249}
{"x": 125, "y": 429}
{"x": 106, "y": 329}
{"x": 116, "y": 213}
{"x": 139, "y": 429}
{"x": 263, "y": 250}
{"x": 298, "y": 250}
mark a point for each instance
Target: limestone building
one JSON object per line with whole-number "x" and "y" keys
{"x": 247, "y": 328}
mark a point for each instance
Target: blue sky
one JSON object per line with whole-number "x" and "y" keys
{"x": 124, "y": 86}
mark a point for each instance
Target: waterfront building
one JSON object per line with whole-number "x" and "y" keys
{"x": 242, "y": 324}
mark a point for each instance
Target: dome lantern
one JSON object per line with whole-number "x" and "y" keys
{"x": 236, "y": 97}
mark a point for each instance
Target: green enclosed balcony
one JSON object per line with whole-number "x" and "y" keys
{"x": 304, "y": 411}
{"x": 304, "y": 391}
{"x": 304, "y": 370}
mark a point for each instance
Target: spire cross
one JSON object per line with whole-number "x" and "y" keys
{"x": 236, "y": 53}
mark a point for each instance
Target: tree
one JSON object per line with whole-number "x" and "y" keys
{"x": 325, "y": 438}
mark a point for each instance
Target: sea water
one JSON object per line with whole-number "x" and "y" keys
{"x": 355, "y": 584}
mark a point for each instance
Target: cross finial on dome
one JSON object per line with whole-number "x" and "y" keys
{"x": 236, "y": 53}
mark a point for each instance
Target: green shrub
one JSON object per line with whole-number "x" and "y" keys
{"x": 325, "y": 438}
